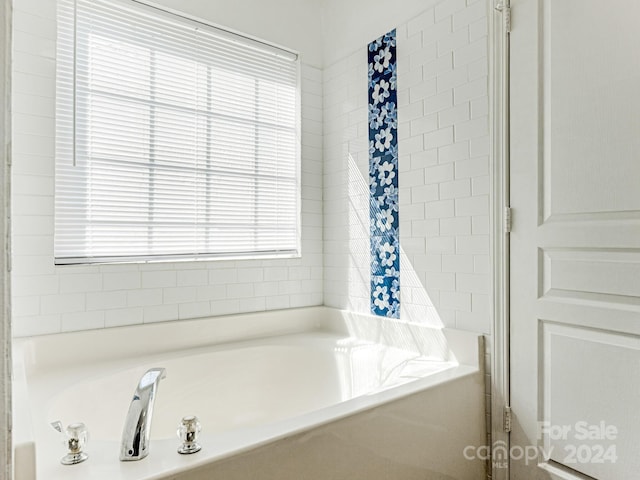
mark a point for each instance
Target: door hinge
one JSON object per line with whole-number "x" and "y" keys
{"x": 505, "y": 9}
{"x": 507, "y": 219}
{"x": 506, "y": 419}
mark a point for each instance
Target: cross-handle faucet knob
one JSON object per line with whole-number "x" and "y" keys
{"x": 188, "y": 431}
{"x": 75, "y": 438}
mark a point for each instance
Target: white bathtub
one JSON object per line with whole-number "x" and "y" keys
{"x": 319, "y": 394}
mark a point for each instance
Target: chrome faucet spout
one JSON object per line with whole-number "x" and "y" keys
{"x": 137, "y": 426}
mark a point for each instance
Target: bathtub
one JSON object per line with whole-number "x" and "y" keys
{"x": 294, "y": 394}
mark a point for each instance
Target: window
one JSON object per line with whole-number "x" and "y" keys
{"x": 174, "y": 139}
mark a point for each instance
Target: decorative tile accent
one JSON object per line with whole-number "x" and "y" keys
{"x": 383, "y": 177}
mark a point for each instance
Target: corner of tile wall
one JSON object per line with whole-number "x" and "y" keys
{"x": 443, "y": 146}
{"x": 52, "y": 299}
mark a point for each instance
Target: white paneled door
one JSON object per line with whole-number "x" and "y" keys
{"x": 575, "y": 241}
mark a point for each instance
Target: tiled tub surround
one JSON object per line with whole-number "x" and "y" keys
{"x": 383, "y": 176}
{"x": 301, "y": 393}
{"x": 49, "y": 299}
{"x": 443, "y": 171}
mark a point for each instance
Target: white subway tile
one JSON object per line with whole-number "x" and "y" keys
{"x": 121, "y": 281}
{"x": 438, "y": 138}
{"x": 144, "y": 297}
{"x": 160, "y": 313}
{"x": 276, "y": 302}
{"x": 455, "y": 226}
{"x": 439, "y": 209}
{"x": 471, "y": 321}
{"x": 225, "y": 307}
{"x": 480, "y": 303}
{"x": 32, "y": 185}
{"x": 480, "y": 225}
{"x": 41, "y": 245}
{"x": 457, "y": 263}
{"x": 178, "y": 295}
{"x": 62, "y": 303}
{"x": 425, "y": 228}
{"x": 472, "y": 244}
{"x": 472, "y": 282}
{"x": 266, "y": 289}
{"x": 425, "y": 89}
{"x": 456, "y": 301}
{"x": 453, "y": 41}
{"x": 106, "y": 300}
{"x": 23, "y": 286}
{"x": 289, "y": 287}
{"x": 439, "y": 66}
{"x": 479, "y": 68}
{"x": 72, "y": 283}
{"x": 25, "y": 306}
{"x": 123, "y": 316}
{"x": 423, "y": 159}
{"x": 478, "y": 29}
{"x": 424, "y": 124}
{"x": 468, "y": 206}
{"x": 211, "y": 292}
{"x": 431, "y": 262}
{"x": 38, "y": 165}
{"x": 409, "y": 45}
{"x": 240, "y": 290}
{"x": 424, "y": 193}
{"x": 75, "y": 321}
{"x": 28, "y": 123}
{"x": 159, "y": 279}
{"x": 194, "y": 310}
{"x": 479, "y": 107}
{"x": 478, "y": 127}
{"x": 447, "y": 8}
{"x": 422, "y": 22}
{"x": 445, "y": 281}
{"x": 454, "y": 116}
{"x": 468, "y": 91}
{"x": 413, "y": 212}
{"x": 479, "y": 146}
{"x": 28, "y": 83}
{"x": 481, "y": 263}
{"x": 438, "y": 102}
{"x": 411, "y": 112}
{"x": 412, "y": 144}
{"x": 455, "y": 189}
{"x": 253, "y": 304}
{"x": 442, "y": 245}
{"x": 36, "y": 325}
{"x": 454, "y": 152}
{"x": 440, "y": 29}
{"x": 439, "y": 173}
{"x": 473, "y": 12}
{"x": 250, "y": 275}
{"x": 422, "y": 56}
{"x": 474, "y": 167}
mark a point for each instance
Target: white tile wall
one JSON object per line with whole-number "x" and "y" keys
{"x": 49, "y": 299}
{"x": 443, "y": 164}
{"x": 444, "y": 187}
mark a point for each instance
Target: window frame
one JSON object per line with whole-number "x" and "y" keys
{"x": 252, "y": 42}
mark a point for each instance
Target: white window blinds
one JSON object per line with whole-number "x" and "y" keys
{"x": 174, "y": 139}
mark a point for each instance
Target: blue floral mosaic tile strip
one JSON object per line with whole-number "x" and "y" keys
{"x": 383, "y": 177}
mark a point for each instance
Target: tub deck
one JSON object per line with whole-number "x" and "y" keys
{"x": 314, "y": 382}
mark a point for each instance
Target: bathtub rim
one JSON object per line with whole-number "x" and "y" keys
{"x": 48, "y": 353}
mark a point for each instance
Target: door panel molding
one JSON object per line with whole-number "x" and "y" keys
{"x": 575, "y": 242}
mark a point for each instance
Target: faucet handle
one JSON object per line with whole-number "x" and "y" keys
{"x": 75, "y": 438}
{"x": 188, "y": 431}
